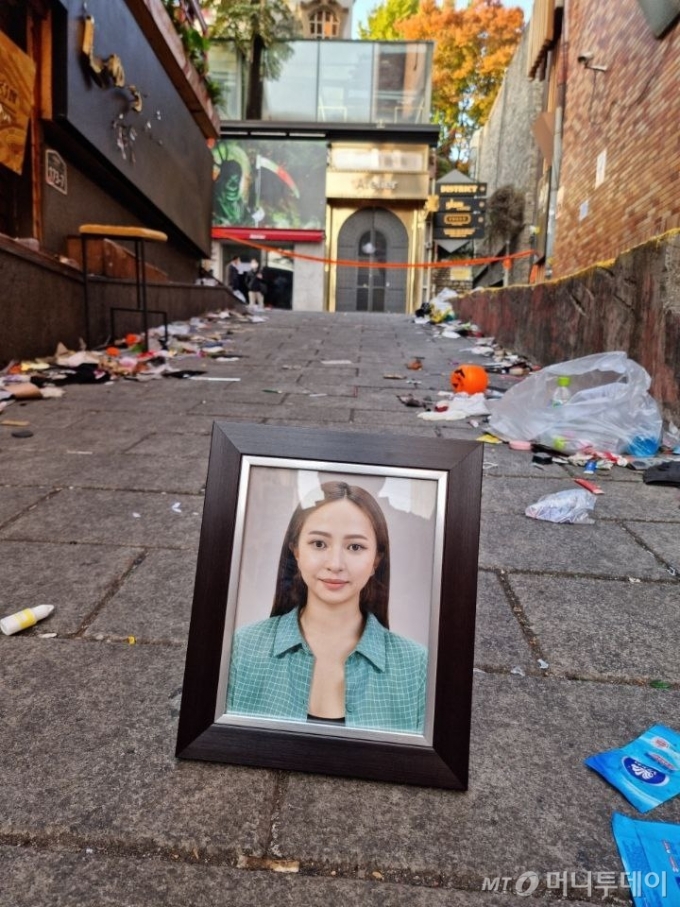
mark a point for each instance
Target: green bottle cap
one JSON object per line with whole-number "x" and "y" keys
{"x": 563, "y": 381}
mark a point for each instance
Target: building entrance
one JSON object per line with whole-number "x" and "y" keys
{"x": 372, "y": 236}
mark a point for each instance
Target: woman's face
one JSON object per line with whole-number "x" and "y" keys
{"x": 336, "y": 552}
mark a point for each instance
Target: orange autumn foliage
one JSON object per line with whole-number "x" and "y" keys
{"x": 473, "y": 47}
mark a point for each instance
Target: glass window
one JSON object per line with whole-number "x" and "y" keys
{"x": 346, "y": 80}
{"x": 292, "y": 94}
{"x": 225, "y": 69}
{"x": 402, "y": 76}
{"x": 324, "y": 24}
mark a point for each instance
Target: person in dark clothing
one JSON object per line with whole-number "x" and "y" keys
{"x": 234, "y": 277}
{"x": 256, "y": 285}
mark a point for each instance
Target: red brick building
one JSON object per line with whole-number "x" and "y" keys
{"x": 609, "y": 126}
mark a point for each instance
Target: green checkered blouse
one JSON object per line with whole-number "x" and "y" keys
{"x": 271, "y": 673}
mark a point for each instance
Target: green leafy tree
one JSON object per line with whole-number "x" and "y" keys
{"x": 381, "y": 24}
{"x": 260, "y": 31}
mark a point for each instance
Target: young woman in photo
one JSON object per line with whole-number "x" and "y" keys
{"x": 326, "y": 652}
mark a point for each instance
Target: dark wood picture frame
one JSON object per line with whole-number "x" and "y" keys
{"x": 443, "y": 761}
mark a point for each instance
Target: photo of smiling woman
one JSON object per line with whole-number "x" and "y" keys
{"x": 326, "y": 653}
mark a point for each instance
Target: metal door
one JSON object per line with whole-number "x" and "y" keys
{"x": 371, "y": 236}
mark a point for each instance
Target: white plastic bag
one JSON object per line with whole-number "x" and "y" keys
{"x": 570, "y": 506}
{"x": 610, "y": 408}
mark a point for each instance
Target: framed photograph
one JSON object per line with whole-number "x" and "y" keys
{"x": 332, "y": 627}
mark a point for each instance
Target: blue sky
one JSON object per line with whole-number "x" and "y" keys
{"x": 362, "y": 8}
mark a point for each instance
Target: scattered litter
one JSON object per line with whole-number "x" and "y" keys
{"x": 570, "y": 506}
{"x": 22, "y": 433}
{"x": 650, "y": 853}
{"x": 318, "y": 395}
{"x": 395, "y": 377}
{"x": 543, "y": 459}
{"x": 24, "y": 619}
{"x": 131, "y": 640}
{"x": 489, "y": 439}
{"x": 469, "y": 379}
{"x": 211, "y": 378}
{"x": 462, "y": 406}
{"x": 660, "y": 685}
{"x": 589, "y": 486}
{"x": 479, "y": 350}
{"x": 543, "y": 665}
{"x": 519, "y": 445}
{"x": 410, "y": 400}
{"x": 47, "y": 635}
{"x": 336, "y": 362}
{"x": 634, "y": 579}
{"x": 666, "y": 473}
{"x": 14, "y": 423}
{"x": 609, "y": 406}
{"x": 450, "y": 334}
{"x": 646, "y": 770}
{"x": 414, "y": 365}
{"x": 176, "y": 507}
{"x": 517, "y": 671}
{"x": 137, "y": 516}
{"x": 271, "y": 390}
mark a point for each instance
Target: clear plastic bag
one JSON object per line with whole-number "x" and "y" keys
{"x": 610, "y": 408}
{"x": 570, "y": 506}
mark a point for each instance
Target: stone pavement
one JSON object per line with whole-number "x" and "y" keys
{"x": 94, "y": 808}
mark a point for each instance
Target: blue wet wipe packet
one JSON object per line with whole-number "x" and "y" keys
{"x": 646, "y": 770}
{"x": 650, "y": 852}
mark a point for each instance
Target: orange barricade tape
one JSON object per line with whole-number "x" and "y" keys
{"x": 456, "y": 263}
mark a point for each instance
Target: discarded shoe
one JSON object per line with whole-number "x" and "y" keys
{"x": 667, "y": 473}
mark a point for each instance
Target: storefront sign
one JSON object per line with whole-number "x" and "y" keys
{"x": 55, "y": 171}
{"x": 17, "y": 75}
{"x": 378, "y": 159}
{"x": 377, "y": 185}
{"x": 461, "y": 211}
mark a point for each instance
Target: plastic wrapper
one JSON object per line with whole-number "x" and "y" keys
{"x": 570, "y": 506}
{"x": 646, "y": 770}
{"x": 610, "y": 408}
{"x": 650, "y": 853}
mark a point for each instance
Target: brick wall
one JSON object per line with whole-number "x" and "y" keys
{"x": 630, "y": 114}
{"x": 631, "y": 304}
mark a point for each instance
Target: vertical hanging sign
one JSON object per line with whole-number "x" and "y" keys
{"x": 17, "y": 75}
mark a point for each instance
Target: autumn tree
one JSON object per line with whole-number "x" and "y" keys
{"x": 255, "y": 26}
{"x": 474, "y": 44}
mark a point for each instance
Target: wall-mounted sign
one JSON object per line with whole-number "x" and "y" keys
{"x": 17, "y": 74}
{"x": 55, "y": 171}
{"x": 267, "y": 183}
{"x": 461, "y": 189}
{"x": 387, "y": 185}
{"x": 467, "y": 218}
{"x": 379, "y": 158}
{"x": 461, "y": 211}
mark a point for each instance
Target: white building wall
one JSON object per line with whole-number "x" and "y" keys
{"x": 309, "y": 279}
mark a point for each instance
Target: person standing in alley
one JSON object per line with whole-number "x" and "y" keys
{"x": 234, "y": 277}
{"x": 256, "y": 285}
